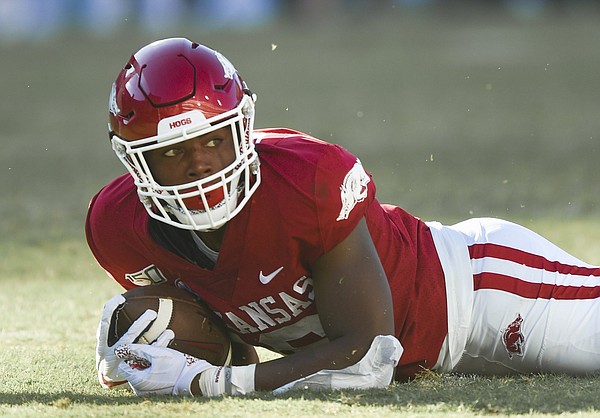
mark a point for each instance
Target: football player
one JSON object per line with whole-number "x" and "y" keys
{"x": 282, "y": 235}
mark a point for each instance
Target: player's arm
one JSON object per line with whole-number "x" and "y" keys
{"x": 243, "y": 354}
{"x": 354, "y": 304}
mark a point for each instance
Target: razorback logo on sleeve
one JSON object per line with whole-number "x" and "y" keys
{"x": 353, "y": 189}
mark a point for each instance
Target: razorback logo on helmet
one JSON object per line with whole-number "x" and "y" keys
{"x": 353, "y": 189}
{"x": 228, "y": 68}
{"x": 513, "y": 338}
{"x": 113, "y": 107}
{"x": 193, "y": 118}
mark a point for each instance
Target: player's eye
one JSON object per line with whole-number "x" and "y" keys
{"x": 171, "y": 152}
{"x": 214, "y": 142}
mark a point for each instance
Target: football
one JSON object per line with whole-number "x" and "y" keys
{"x": 198, "y": 331}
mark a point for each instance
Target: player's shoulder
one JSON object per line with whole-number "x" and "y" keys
{"x": 118, "y": 193}
{"x": 289, "y": 144}
{"x": 116, "y": 207}
{"x": 116, "y": 224}
{"x": 285, "y": 137}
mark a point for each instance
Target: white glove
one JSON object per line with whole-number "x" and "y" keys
{"x": 163, "y": 371}
{"x": 374, "y": 370}
{"x": 158, "y": 370}
{"x": 107, "y": 362}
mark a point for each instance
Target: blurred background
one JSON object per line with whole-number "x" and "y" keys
{"x": 459, "y": 108}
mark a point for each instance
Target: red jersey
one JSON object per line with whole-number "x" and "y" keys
{"x": 312, "y": 195}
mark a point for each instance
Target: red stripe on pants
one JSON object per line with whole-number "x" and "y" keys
{"x": 526, "y": 289}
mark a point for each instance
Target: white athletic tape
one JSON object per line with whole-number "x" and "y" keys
{"x": 160, "y": 324}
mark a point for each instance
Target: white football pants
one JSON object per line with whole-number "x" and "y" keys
{"x": 527, "y": 305}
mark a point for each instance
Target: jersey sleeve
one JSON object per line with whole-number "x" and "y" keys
{"x": 111, "y": 223}
{"x": 343, "y": 192}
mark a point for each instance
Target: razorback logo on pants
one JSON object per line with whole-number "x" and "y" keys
{"x": 513, "y": 339}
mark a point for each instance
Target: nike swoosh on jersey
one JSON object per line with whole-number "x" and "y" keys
{"x": 266, "y": 279}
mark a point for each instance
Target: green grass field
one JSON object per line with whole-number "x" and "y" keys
{"x": 456, "y": 117}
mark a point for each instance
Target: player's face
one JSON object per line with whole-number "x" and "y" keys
{"x": 192, "y": 160}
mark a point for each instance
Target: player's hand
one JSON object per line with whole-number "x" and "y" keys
{"x": 107, "y": 363}
{"x": 152, "y": 369}
{"x": 156, "y": 369}
{"x": 374, "y": 370}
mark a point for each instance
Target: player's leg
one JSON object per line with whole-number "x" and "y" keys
{"x": 536, "y": 307}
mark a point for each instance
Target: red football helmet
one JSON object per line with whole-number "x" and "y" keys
{"x": 171, "y": 91}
